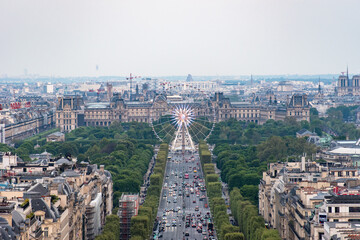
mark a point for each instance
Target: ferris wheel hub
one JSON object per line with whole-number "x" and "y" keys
{"x": 182, "y": 121}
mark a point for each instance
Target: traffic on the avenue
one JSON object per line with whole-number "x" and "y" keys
{"x": 184, "y": 211}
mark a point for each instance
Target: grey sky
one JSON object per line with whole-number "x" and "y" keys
{"x": 167, "y": 37}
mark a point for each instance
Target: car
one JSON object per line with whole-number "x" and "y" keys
{"x": 187, "y": 234}
{"x": 194, "y": 201}
{"x": 167, "y": 224}
{"x": 197, "y": 208}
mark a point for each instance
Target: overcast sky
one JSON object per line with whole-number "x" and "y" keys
{"x": 166, "y": 37}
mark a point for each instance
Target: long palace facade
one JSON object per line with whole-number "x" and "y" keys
{"x": 72, "y": 112}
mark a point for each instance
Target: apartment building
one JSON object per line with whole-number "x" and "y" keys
{"x": 297, "y": 198}
{"x": 53, "y": 205}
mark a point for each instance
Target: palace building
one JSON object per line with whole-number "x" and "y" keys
{"x": 72, "y": 112}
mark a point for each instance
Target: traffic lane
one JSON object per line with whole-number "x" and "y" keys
{"x": 172, "y": 232}
{"x": 190, "y": 209}
{"x": 190, "y": 206}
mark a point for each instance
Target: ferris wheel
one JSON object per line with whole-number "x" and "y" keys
{"x": 182, "y": 115}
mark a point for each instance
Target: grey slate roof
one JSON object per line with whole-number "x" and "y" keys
{"x": 40, "y": 189}
{"x": 63, "y": 161}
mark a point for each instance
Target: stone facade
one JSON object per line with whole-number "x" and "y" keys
{"x": 297, "y": 198}
{"x": 44, "y": 205}
{"x": 347, "y": 86}
{"x": 72, "y": 112}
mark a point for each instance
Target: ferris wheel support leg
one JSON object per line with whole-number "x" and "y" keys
{"x": 192, "y": 146}
{"x": 173, "y": 145}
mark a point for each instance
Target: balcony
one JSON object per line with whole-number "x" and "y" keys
{"x": 344, "y": 214}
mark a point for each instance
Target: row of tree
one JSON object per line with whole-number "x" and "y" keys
{"x": 225, "y": 230}
{"x": 81, "y": 139}
{"x": 242, "y": 166}
{"x": 111, "y": 229}
{"x": 339, "y": 122}
{"x": 248, "y": 219}
{"x": 141, "y": 225}
{"x": 241, "y": 132}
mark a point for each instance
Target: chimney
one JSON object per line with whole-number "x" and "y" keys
{"x": 102, "y": 168}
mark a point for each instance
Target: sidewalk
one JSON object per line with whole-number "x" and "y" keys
{"x": 146, "y": 184}
{"x": 225, "y": 194}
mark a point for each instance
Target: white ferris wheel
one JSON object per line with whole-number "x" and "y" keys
{"x": 182, "y": 115}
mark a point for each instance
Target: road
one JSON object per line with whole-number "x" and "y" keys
{"x": 181, "y": 213}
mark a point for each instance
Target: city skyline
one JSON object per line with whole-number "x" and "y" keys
{"x": 158, "y": 38}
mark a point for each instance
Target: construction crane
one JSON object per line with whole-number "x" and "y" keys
{"x": 131, "y": 78}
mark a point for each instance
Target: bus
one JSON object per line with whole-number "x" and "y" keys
{"x": 186, "y": 176}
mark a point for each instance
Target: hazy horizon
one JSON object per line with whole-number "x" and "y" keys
{"x": 174, "y": 38}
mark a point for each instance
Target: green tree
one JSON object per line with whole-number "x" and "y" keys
{"x": 234, "y": 236}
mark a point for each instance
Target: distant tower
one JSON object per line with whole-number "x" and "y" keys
{"x": 319, "y": 89}
{"x": 137, "y": 89}
{"x": 251, "y": 80}
{"x": 189, "y": 78}
{"x": 109, "y": 90}
{"x": 131, "y": 78}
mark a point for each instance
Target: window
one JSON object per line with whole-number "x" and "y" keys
{"x": 336, "y": 220}
{"x": 353, "y": 173}
{"x": 354, "y": 220}
{"x": 337, "y": 209}
{"x": 347, "y": 173}
{"x": 329, "y": 209}
{"x": 354, "y": 209}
